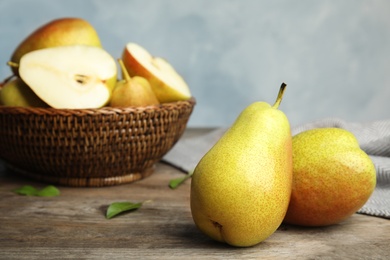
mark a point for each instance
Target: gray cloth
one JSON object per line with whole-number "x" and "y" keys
{"x": 373, "y": 138}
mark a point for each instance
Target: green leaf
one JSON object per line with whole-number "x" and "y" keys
{"x": 173, "y": 184}
{"x": 119, "y": 207}
{"x": 26, "y": 190}
{"x": 48, "y": 191}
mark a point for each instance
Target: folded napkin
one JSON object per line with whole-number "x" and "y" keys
{"x": 373, "y": 138}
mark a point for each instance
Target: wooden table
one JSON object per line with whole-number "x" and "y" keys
{"x": 73, "y": 226}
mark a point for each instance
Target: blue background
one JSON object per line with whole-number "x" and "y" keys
{"x": 334, "y": 55}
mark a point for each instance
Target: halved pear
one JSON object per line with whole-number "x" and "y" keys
{"x": 58, "y": 32}
{"x": 74, "y": 76}
{"x": 166, "y": 83}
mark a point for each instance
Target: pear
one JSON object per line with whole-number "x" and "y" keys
{"x": 59, "y": 32}
{"x": 332, "y": 177}
{"x": 16, "y": 93}
{"x": 241, "y": 188}
{"x": 134, "y": 91}
{"x": 70, "y": 77}
{"x": 166, "y": 82}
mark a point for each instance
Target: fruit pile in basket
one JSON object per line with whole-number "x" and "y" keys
{"x": 63, "y": 65}
{"x": 67, "y": 116}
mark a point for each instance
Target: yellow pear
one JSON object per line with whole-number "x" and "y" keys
{"x": 134, "y": 91}
{"x": 16, "y": 93}
{"x": 332, "y": 177}
{"x": 241, "y": 188}
{"x": 59, "y": 32}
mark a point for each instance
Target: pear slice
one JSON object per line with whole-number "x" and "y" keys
{"x": 166, "y": 83}
{"x": 74, "y": 76}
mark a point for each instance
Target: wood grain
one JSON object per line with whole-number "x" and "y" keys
{"x": 73, "y": 226}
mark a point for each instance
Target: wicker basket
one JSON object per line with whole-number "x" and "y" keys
{"x": 90, "y": 147}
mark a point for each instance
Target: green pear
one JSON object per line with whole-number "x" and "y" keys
{"x": 241, "y": 188}
{"x": 332, "y": 177}
{"x": 134, "y": 91}
{"x": 16, "y": 93}
{"x": 59, "y": 32}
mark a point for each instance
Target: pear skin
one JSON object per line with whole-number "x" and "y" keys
{"x": 332, "y": 177}
{"x": 135, "y": 91}
{"x": 16, "y": 93}
{"x": 241, "y": 188}
{"x": 59, "y": 32}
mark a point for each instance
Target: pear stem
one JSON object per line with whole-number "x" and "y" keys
{"x": 13, "y": 64}
{"x": 126, "y": 75}
{"x": 280, "y": 95}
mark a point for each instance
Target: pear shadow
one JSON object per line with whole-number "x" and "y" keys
{"x": 192, "y": 237}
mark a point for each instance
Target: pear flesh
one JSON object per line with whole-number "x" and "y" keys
{"x": 74, "y": 76}
{"x": 241, "y": 188}
{"x": 135, "y": 91}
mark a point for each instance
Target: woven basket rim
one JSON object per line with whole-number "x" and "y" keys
{"x": 91, "y": 111}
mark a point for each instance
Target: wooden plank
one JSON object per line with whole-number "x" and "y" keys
{"x": 73, "y": 226}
